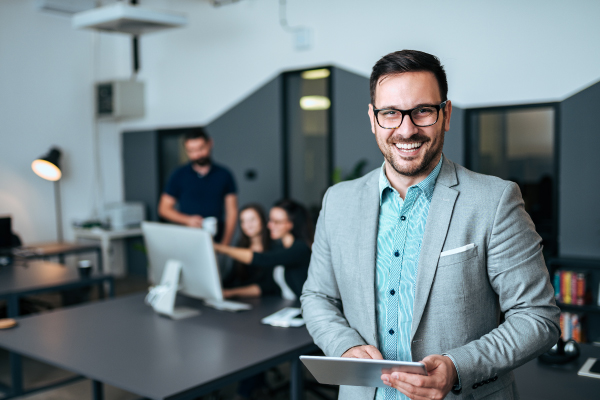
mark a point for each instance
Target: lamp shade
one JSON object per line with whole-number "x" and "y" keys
{"x": 48, "y": 166}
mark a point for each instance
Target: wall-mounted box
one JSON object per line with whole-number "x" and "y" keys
{"x": 120, "y": 99}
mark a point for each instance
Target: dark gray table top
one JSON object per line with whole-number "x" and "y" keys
{"x": 36, "y": 275}
{"x": 48, "y": 249}
{"x": 536, "y": 381}
{"x": 122, "y": 342}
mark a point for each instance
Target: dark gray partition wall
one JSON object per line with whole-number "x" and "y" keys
{"x": 140, "y": 170}
{"x": 248, "y": 141}
{"x": 579, "y": 165}
{"x": 352, "y": 136}
{"x": 454, "y": 141}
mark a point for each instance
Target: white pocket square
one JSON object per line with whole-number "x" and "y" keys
{"x": 457, "y": 250}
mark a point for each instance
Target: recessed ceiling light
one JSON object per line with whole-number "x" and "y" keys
{"x": 314, "y": 103}
{"x": 316, "y": 73}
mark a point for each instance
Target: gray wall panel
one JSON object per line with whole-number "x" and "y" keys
{"x": 454, "y": 141}
{"x": 247, "y": 137}
{"x": 140, "y": 170}
{"x": 579, "y": 182}
{"x": 352, "y": 136}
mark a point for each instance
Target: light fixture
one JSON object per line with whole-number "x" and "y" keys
{"x": 312, "y": 103}
{"x": 126, "y": 18}
{"x": 48, "y": 167}
{"x": 316, "y": 73}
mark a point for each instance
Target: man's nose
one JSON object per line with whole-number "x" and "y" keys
{"x": 407, "y": 128}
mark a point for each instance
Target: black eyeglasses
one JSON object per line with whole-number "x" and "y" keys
{"x": 390, "y": 118}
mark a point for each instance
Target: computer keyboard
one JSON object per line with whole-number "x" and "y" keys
{"x": 227, "y": 305}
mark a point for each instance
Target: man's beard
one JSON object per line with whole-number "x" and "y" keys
{"x": 202, "y": 161}
{"x": 432, "y": 153}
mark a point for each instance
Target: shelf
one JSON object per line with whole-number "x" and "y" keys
{"x": 576, "y": 308}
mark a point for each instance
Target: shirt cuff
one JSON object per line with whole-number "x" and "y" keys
{"x": 458, "y": 387}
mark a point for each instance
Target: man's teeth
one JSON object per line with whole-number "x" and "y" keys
{"x": 408, "y": 146}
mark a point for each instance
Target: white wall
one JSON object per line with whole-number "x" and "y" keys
{"x": 495, "y": 53}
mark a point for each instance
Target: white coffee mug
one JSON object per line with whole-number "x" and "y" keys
{"x": 209, "y": 224}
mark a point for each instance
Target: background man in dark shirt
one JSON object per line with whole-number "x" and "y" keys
{"x": 201, "y": 189}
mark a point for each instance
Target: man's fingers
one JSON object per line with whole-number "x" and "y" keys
{"x": 361, "y": 352}
{"x": 415, "y": 392}
{"x": 414, "y": 379}
{"x": 373, "y": 352}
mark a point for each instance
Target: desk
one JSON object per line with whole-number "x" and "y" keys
{"x": 112, "y": 253}
{"x": 536, "y": 381}
{"x": 37, "y": 277}
{"x": 124, "y": 343}
{"x": 60, "y": 249}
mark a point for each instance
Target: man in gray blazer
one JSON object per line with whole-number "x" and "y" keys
{"x": 425, "y": 260}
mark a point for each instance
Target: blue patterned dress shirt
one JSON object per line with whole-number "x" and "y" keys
{"x": 399, "y": 238}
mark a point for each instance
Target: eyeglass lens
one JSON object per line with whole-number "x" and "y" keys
{"x": 422, "y": 116}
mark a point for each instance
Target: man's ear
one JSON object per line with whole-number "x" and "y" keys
{"x": 447, "y": 115}
{"x": 372, "y": 118}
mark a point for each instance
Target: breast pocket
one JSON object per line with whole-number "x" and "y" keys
{"x": 457, "y": 257}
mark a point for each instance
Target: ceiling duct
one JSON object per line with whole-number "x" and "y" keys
{"x": 125, "y": 18}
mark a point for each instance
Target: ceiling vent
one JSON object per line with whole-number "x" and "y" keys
{"x": 125, "y": 18}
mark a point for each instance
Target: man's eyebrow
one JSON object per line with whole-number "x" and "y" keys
{"x": 393, "y": 107}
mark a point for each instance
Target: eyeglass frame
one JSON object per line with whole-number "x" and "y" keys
{"x": 409, "y": 113}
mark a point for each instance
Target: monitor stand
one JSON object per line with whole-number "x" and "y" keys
{"x": 162, "y": 297}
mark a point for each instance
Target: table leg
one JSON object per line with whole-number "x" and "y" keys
{"x": 105, "y": 244}
{"x": 111, "y": 287}
{"x": 97, "y": 390}
{"x": 100, "y": 265}
{"x": 101, "y": 293}
{"x": 16, "y": 372}
{"x": 12, "y": 310}
{"x": 296, "y": 380}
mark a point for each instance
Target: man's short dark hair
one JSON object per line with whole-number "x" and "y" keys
{"x": 409, "y": 61}
{"x": 196, "y": 133}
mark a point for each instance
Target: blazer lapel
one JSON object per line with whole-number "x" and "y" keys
{"x": 368, "y": 214}
{"x": 436, "y": 229}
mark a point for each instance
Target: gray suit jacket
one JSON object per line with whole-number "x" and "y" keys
{"x": 490, "y": 307}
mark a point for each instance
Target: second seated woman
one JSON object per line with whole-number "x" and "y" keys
{"x": 289, "y": 223}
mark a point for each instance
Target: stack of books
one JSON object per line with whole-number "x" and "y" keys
{"x": 571, "y": 327}
{"x": 571, "y": 287}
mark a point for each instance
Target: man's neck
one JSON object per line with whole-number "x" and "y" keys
{"x": 402, "y": 182}
{"x": 202, "y": 170}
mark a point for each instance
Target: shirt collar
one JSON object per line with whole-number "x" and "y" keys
{"x": 426, "y": 185}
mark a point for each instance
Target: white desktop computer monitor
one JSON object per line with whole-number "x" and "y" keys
{"x": 193, "y": 248}
{"x": 175, "y": 248}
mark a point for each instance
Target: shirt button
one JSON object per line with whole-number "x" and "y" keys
{"x": 391, "y": 190}
{"x": 392, "y": 292}
{"x": 403, "y": 218}
{"x": 391, "y": 331}
{"x": 397, "y": 253}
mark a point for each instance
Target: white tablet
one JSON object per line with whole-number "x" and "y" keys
{"x": 357, "y": 371}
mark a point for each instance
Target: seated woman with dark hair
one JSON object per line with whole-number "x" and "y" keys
{"x": 245, "y": 280}
{"x": 290, "y": 223}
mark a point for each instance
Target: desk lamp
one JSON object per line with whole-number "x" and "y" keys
{"x": 48, "y": 167}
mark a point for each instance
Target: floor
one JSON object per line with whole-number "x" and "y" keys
{"x": 37, "y": 374}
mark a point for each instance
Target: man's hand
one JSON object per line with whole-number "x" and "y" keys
{"x": 195, "y": 221}
{"x": 442, "y": 376}
{"x": 366, "y": 351}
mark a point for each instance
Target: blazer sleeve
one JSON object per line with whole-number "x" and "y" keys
{"x": 518, "y": 275}
{"x": 321, "y": 303}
